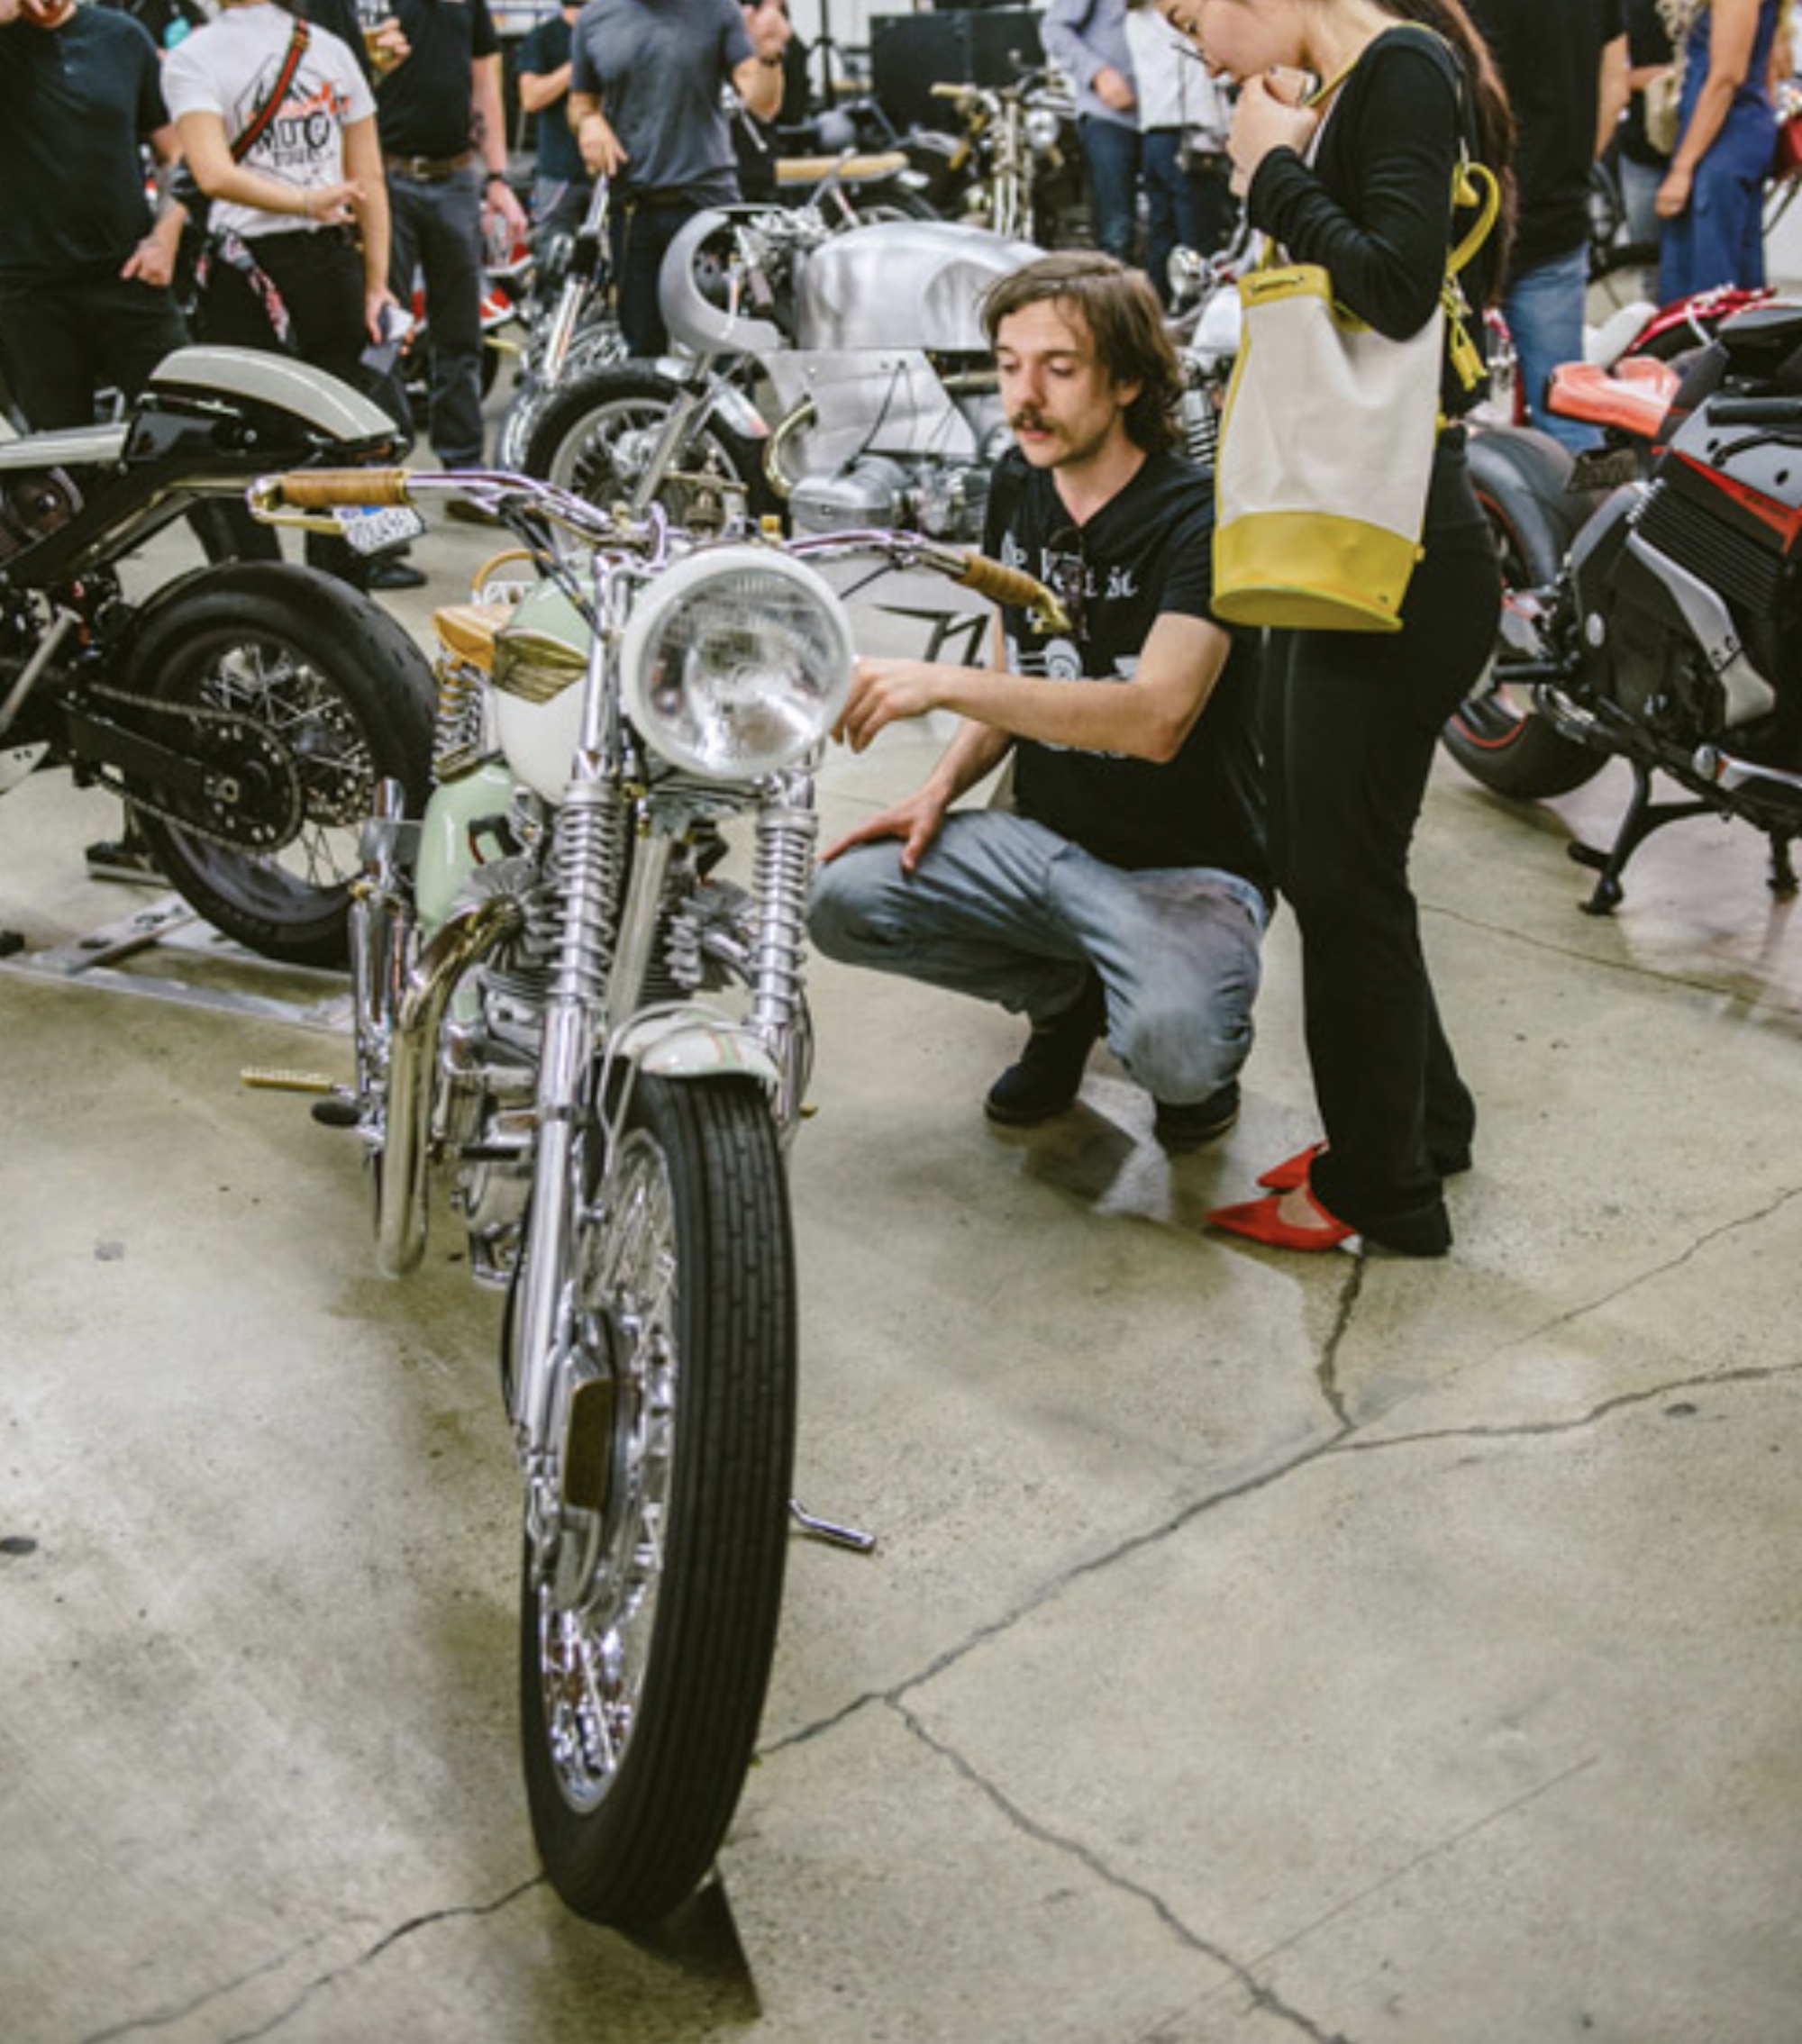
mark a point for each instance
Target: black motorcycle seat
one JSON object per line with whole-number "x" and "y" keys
{"x": 1760, "y": 339}
{"x": 70, "y": 447}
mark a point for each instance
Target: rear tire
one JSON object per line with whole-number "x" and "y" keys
{"x": 641, "y": 1686}
{"x": 342, "y": 690}
{"x": 1496, "y": 734}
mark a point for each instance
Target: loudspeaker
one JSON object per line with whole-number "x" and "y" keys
{"x": 911, "y": 53}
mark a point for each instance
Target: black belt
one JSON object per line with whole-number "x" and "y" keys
{"x": 430, "y": 170}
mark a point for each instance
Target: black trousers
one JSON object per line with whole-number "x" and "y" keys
{"x": 65, "y": 343}
{"x": 319, "y": 274}
{"x": 1350, "y": 722}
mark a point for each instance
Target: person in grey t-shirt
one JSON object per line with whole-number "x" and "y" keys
{"x": 644, "y": 102}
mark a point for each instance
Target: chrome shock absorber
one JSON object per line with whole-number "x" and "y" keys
{"x": 587, "y": 871}
{"x": 787, "y": 831}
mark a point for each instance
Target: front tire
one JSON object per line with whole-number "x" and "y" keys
{"x": 1496, "y": 734}
{"x": 641, "y": 1684}
{"x": 595, "y": 436}
{"x": 345, "y": 695}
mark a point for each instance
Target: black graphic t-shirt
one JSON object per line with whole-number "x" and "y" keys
{"x": 1146, "y": 551}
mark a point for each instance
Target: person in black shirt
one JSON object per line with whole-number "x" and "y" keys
{"x": 560, "y": 185}
{"x": 1551, "y": 56}
{"x": 85, "y": 271}
{"x": 1127, "y": 892}
{"x": 1351, "y": 719}
{"x": 443, "y": 136}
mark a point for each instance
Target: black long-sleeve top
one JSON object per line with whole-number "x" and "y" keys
{"x": 1375, "y": 209}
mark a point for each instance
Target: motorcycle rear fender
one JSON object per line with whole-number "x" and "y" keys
{"x": 691, "y": 1043}
{"x": 279, "y": 383}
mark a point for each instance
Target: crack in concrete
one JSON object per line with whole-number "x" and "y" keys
{"x": 1262, "y": 1997}
{"x": 305, "y": 1993}
{"x": 1656, "y": 1270}
{"x": 1525, "y": 1430}
{"x": 1626, "y": 967}
{"x": 1327, "y": 1373}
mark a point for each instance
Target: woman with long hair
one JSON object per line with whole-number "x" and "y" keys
{"x": 1358, "y": 176}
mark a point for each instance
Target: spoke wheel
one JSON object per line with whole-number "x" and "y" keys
{"x": 338, "y": 697}
{"x": 650, "y": 1595}
{"x": 597, "y": 435}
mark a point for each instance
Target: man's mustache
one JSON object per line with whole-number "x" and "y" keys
{"x": 1030, "y": 421}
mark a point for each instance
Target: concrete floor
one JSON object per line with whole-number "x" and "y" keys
{"x": 1257, "y": 1648}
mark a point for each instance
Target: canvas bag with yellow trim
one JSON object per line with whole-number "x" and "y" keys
{"x": 1327, "y": 442}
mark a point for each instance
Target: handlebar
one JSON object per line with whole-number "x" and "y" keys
{"x": 320, "y": 489}
{"x": 1755, "y": 412}
{"x": 299, "y": 494}
{"x": 1004, "y": 585}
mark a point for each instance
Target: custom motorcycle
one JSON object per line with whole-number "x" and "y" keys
{"x": 246, "y": 710}
{"x": 1651, "y": 609}
{"x": 1014, "y": 165}
{"x": 838, "y": 379}
{"x": 565, "y": 1007}
{"x": 570, "y": 330}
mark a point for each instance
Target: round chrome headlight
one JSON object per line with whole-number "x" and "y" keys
{"x": 736, "y": 660}
{"x": 1042, "y": 128}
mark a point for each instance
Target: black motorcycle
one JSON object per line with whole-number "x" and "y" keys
{"x": 247, "y": 710}
{"x": 1659, "y": 619}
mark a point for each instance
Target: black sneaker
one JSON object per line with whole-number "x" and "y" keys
{"x": 388, "y": 571}
{"x": 1049, "y": 1075}
{"x": 1188, "y": 1125}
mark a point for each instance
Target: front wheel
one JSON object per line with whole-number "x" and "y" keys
{"x": 1496, "y": 734}
{"x": 309, "y": 694}
{"x": 648, "y": 1615}
{"x": 598, "y": 435}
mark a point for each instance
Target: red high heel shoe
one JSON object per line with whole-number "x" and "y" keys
{"x": 1292, "y": 1171}
{"x": 1258, "y": 1221}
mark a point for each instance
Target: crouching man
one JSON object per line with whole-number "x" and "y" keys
{"x": 1127, "y": 893}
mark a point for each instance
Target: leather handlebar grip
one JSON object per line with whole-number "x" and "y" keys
{"x": 320, "y": 489}
{"x": 1003, "y": 585}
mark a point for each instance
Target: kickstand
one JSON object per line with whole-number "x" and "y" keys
{"x": 836, "y": 1536}
{"x": 1642, "y": 817}
{"x": 1782, "y": 882}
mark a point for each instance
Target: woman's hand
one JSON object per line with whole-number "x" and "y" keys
{"x": 1262, "y": 120}
{"x": 331, "y": 205}
{"x": 378, "y": 301}
{"x": 1673, "y": 193}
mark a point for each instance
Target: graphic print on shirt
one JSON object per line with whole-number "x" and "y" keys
{"x": 1081, "y": 588}
{"x": 302, "y": 137}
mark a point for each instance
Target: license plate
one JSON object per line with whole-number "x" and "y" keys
{"x": 373, "y": 529}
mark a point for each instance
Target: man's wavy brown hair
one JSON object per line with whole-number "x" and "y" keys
{"x": 1124, "y": 319}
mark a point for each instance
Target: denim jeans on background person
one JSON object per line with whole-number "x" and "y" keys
{"x": 1006, "y": 909}
{"x": 1111, "y": 150}
{"x": 1544, "y": 307}
{"x": 437, "y": 229}
{"x": 643, "y": 230}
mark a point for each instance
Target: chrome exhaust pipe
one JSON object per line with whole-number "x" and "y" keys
{"x": 401, "y": 1207}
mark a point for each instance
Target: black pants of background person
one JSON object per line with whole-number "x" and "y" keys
{"x": 1350, "y": 724}
{"x": 64, "y": 343}
{"x": 643, "y": 229}
{"x": 319, "y": 274}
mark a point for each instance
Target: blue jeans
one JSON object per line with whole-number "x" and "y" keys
{"x": 1544, "y": 310}
{"x": 437, "y": 229}
{"x": 1003, "y": 909}
{"x": 1111, "y": 150}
